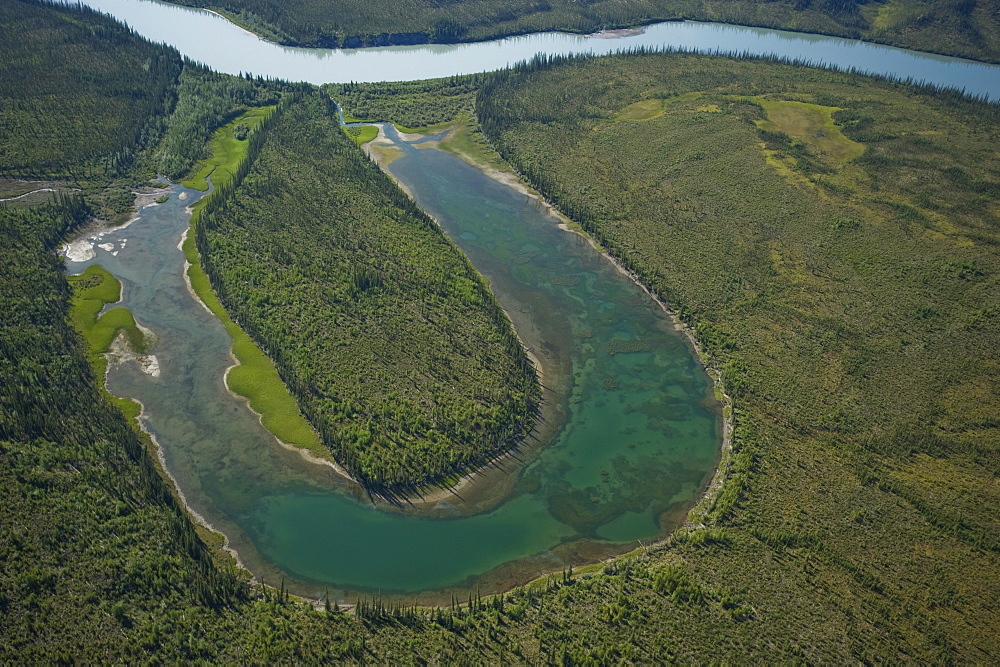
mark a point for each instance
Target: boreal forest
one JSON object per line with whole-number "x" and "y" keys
{"x": 829, "y": 239}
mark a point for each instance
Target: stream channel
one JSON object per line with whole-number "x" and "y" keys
{"x": 632, "y": 430}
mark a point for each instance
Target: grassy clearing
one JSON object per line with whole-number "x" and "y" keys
{"x": 814, "y": 126}
{"x": 92, "y": 290}
{"x": 643, "y": 110}
{"x": 255, "y": 377}
{"x": 466, "y": 141}
{"x": 226, "y": 150}
{"x": 436, "y": 128}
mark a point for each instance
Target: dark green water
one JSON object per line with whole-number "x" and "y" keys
{"x": 634, "y": 434}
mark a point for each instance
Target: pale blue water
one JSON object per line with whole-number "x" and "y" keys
{"x": 224, "y": 47}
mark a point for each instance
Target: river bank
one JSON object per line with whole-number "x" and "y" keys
{"x": 379, "y": 150}
{"x": 617, "y": 456}
{"x": 227, "y": 48}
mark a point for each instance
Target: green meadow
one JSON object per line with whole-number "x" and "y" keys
{"x": 92, "y": 290}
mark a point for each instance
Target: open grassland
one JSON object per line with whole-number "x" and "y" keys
{"x": 833, "y": 242}
{"x": 388, "y": 338}
{"x": 226, "y": 149}
{"x": 956, "y": 27}
{"x": 811, "y": 125}
{"x": 361, "y": 135}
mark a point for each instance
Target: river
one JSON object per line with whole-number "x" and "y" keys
{"x": 633, "y": 429}
{"x": 211, "y": 39}
{"x": 633, "y": 425}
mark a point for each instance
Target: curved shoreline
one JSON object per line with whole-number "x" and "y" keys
{"x": 474, "y": 473}
{"x": 302, "y": 451}
{"x": 139, "y": 420}
{"x": 713, "y": 485}
{"x": 624, "y": 29}
{"x": 503, "y": 577}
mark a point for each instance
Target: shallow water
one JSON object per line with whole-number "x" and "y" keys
{"x": 224, "y": 47}
{"x": 636, "y": 439}
{"x": 634, "y": 432}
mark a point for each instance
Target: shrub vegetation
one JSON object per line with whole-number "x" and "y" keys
{"x": 858, "y": 523}
{"x": 843, "y": 275}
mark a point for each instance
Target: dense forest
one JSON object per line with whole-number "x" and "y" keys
{"x": 123, "y": 106}
{"x": 969, "y": 28}
{"x": 391, "y": 342}
{"x": 858, "y": 522}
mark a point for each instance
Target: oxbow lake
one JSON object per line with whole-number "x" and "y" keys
{"x": 632, "y": 430}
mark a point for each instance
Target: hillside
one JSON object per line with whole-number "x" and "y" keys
{"x": 956, "y": 27}
{"x": 833, "y": 243}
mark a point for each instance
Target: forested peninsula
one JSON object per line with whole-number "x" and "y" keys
{"x": 955, "y": 27}
{"x": 389, "y": 339}
{"x": 832, "y": 239}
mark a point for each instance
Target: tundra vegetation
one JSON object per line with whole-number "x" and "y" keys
{"x": 832, "y": 241}
{"x": 957, "y": 27}
{"x": 849, "y": 294}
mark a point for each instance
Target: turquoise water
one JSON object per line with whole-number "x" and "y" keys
{"x": 631, "y": 431}
{"x": 638, "y": 435}
{"x": 224, "y": 47}
{"x": 630, "y": 427}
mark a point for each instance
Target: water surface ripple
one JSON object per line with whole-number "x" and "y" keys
{"x": 636, "y": 433}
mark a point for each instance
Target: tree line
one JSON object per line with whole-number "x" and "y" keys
{"x": 390, "y": 341}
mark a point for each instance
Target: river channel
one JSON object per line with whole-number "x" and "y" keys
{"x": 211, "y": 39}
{"x": 634, "y": 427}
{"x": 632, "y": 432}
